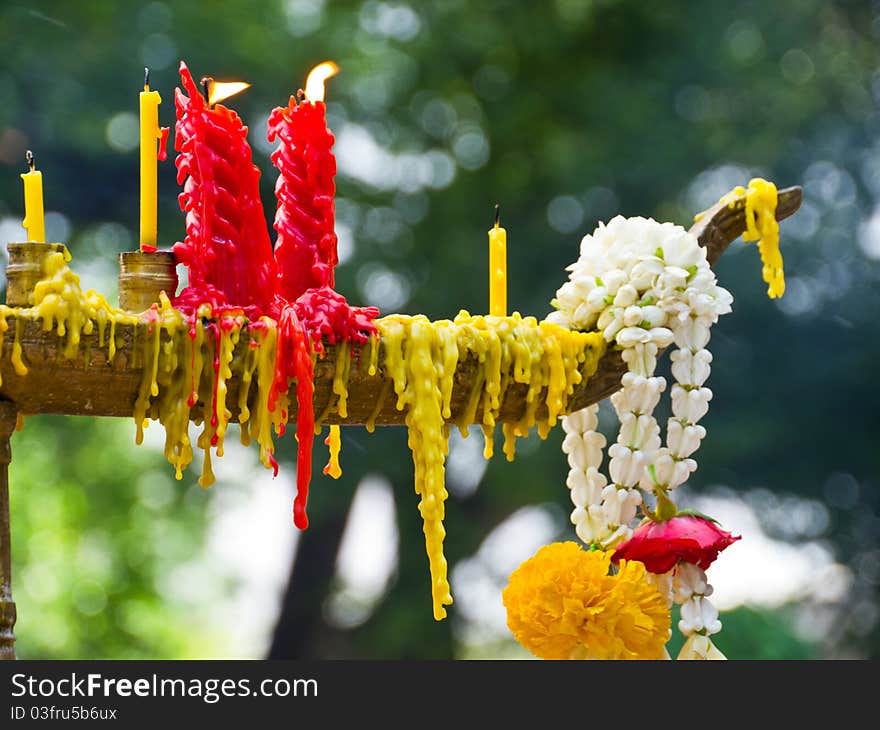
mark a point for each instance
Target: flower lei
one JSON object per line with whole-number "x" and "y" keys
{"x": 646, "y": 286}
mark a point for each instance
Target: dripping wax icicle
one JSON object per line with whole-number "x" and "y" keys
{"x": 761, "y": 225}
{"x": 421, "y": 357}
{"x": 234, "y": 268}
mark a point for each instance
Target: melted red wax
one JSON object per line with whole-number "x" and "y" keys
{"x": 329, "y": 317}
{"x": 305, "y": 250}
{"x": 294, "y": 360}
{"x": 305, "y": 255}
{"x": 229, "y": 256}
{"x": 306, "y": 246}
{"x": 162, "y": 152}
{"x": 227, "y": 248}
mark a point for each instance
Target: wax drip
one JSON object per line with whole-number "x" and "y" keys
{"x": 233, "y": 276}
{"x": 227, "y": 250}
{"x": 187, "y": 359}
{"x": 294, "y": 360}
{"x": 306, "y": 247}
{"x": 421, "y": 359}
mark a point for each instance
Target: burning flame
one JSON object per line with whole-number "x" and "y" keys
{"x": 317, "y": 76}
{"x": 220, "y": 90}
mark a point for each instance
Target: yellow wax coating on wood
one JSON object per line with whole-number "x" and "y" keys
{"x": 175, "y": 350}
{"x": 762, "y": 226}
{"x": 176, "y": 366}
{"x": 374, "y": 354}
{"x": 498, "y": 271}
{"x": 334, "y": 441}
{"x": 370, "y": 425}
{"x": 111, "y": 343}
{"x": 62, "y": 305}
{"x": 421, "y": 358}
{"x": 244, "y": 389}
{"x": 340, "y": 377}
{"x": 419, "y": 361}
{"x": 260, "y": 422}
{"x": 228, "y": 340}
{"x": 185, "y": 370}
{"x": 417, "y": 383}
{"x": 207, "y": 477}
{"x": 17, "y": 362}
{"x": 488, "y": 441}
{"x": 34, "y": 218}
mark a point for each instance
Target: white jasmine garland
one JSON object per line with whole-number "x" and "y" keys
{"x": 601, "y": 512}
{"x": 691, "y": 591}
{"x": 646, "y": 286}
{"x": 699, "y": 617}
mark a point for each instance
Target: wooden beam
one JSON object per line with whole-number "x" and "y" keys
{"x": 92, "y": 384}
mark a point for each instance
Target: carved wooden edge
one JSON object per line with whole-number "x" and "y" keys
{"x": 720, "y": 225}
{"x": 91, "y": 384}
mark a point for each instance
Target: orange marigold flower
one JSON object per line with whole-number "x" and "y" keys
{"x": 563, "y": 603}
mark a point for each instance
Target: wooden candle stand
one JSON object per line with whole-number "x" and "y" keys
{"x": 92, "y": 384}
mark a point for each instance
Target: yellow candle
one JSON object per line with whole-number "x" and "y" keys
{"x": 34, "y": 221}
{"x": 151, "y": 133}
{"x": 497, "y": 269}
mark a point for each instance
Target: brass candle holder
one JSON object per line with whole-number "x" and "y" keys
{"x": 25, "y": 269}
{"x": 143, "y": 276}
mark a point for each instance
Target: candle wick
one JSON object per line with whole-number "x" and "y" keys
{"x": 29, "y": 157}
{"x": 300, "y": 95}
{"x": 497, "y": 214}
{"x": 146, "y": 78}
{"x": 206, "y": 89}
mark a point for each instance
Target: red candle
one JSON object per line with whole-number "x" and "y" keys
{"x": 227, "y": 249}
{"x": 228, "y": 254}
{"x": 305, "y": 250}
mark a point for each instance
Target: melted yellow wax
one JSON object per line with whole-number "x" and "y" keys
{"x": 762, "y": 226}
{"x": 62, "y": 305}
{"x": 181, "y": 370}
{"x": 418, "y": 359}
{"x": 334, "y": 441}
{"x": 175, "y": 364}
{"x": 421, "y": 358}
{"x": 261, "y": 423}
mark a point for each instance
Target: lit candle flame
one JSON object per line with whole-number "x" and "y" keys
{"x": 316, "y": 78}
{"x": 220, "y": 90}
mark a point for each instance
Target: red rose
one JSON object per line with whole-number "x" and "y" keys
{"x": 660, "y": 545}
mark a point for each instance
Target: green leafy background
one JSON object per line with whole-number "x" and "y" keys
{"x": 566, "y": 113}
